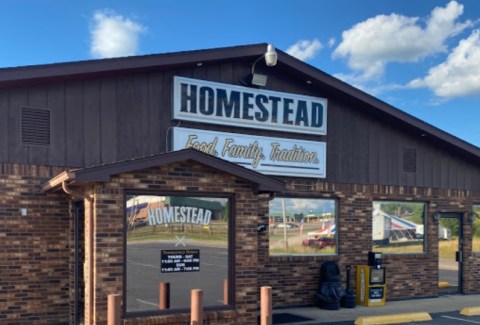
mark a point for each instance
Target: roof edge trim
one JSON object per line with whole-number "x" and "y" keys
{"x": 56, "y": 182}
{"x": 103, "y": 173}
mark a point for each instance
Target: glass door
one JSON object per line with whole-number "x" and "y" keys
{"x": 450, "y": 253}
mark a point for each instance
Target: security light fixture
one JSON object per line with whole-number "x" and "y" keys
{"x": 436, "y": 216}
{"x": 262, "y": 227}
{"x": 472, "y": 216}
{"x": 271, "y": 57}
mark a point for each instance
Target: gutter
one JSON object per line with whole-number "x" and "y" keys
{"x": 89, "y": 216}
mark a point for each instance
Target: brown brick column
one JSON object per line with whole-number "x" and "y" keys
{"x": 107, "y": 249}
{"x": 88, "y": 261}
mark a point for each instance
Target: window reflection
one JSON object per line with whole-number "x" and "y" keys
{"x": 398, "y": 227}
{"x": 179, "y": 240}
{"x": 301, "y": 226}
{"x": 476, "y": 229}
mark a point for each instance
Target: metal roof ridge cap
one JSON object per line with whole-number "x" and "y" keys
{"x": 86, "y": 67}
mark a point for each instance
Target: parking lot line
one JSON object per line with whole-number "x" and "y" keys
{"x": 461, "y": 319}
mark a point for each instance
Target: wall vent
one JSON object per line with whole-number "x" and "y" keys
{"x": 35, "y": 126}
{"x": 409, "y": 160}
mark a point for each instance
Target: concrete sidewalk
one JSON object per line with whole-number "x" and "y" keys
{"x": 315, "y": 315}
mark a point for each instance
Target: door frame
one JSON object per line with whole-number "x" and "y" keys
{"x": 459, "y": 253}
{"x": 79, "y": 259}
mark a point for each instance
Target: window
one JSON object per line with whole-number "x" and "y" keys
{"x": 181, "y": 240}
{"x": 300, "y": 226}
{"x": 476, "y": 229}
{"x": 398, "y": 227}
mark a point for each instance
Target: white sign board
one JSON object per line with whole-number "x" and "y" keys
{"x": 267, "y": 155}
{"x": 224, "y": 104}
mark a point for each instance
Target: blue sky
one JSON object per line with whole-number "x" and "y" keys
{"x": 422, "y": 57}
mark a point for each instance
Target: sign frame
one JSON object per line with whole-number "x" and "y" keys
{"x": 257, "y": 151}
{"x": 283, "y": 111}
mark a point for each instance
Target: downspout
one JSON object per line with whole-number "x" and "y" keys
{"x": 270, "y": 197}
{"x": 88, "y": 198}
{"x": 78, "y": 209}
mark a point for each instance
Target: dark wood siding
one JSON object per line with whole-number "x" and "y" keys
{"x": 4, "y": 129}
{"x": 56, "y": 103}
{"x": 102, "y": 120}
{"x": 17, "y": 152}
{"x": 108, "y": 120}
{"x": 92, "y": 123}
{"x": 74, "y": 124}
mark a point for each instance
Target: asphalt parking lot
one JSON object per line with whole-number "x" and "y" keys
{"x": 443, "y": 309}
{"x": 447, "y": 318}
{"x": 452, "y": 318}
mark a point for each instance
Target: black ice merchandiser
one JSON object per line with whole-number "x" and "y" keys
{"x": 330, "y": 292}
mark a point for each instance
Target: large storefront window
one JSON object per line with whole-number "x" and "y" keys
{"x": 398, "y": 227}
{"x": 476, "y": 229}
{"x": 300, "y": 226}
{"x": 180, "y": 240}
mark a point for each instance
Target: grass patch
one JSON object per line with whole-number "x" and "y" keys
{"x": 414, "y": 246}
{"x": 476, "y": 244}
{"x": 448, "y": 248}
{"x": 215, "y": 231}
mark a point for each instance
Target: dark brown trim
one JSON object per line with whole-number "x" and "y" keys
{"x": 232, "y": 252}
{"x": 115, "y": 66}
{"x": 103, "y": 173}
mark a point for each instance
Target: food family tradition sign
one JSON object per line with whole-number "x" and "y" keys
{"x": 268, "y": 155}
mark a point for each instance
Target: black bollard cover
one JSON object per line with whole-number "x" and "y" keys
{"x": 349, "y": 299}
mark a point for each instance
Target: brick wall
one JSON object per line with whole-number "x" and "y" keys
{"x": 34, "y": 249}
{"x": 295, "y": 279}
{"x": 35, "y": 279}
{"x": 471, "y": 262}
{"x": 108, "y": 245}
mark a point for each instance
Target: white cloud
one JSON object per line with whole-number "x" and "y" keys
{"x": 113, "y": 35}
{"x": 305, "y": 49}
{"x": 354, "y": 79}
{"x": 459, "y": 75}
{"x": 372, "y": 44}
{"x": 373, "y": 88}
{"x": 331, "y": 42}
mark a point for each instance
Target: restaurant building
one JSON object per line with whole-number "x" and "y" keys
{"x": 218, "y": 170}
